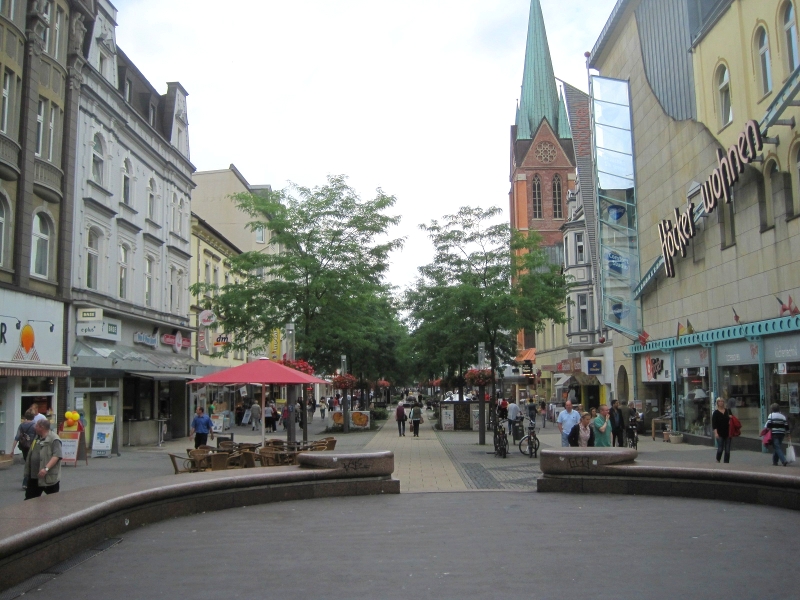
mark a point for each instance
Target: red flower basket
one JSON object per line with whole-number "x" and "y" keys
{"x": 478, "y": 377}
{"x": 345, "y": 382}
{"x": 298, "y": 365}
{"x": 382, "y": 383}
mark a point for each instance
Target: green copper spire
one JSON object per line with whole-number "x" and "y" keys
{"x": 539, "y": 99}
{"x": 564, "y": 131}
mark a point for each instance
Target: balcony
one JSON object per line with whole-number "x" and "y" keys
{"x": 47, "y": 180}
{"x": 9, "y": 158}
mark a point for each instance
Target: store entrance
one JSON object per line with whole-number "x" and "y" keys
{"x": 591, "y": 394}
{"x": 657, "y": 402}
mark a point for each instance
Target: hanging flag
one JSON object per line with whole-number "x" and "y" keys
{"x": 643, "y": 337}
{"x": 784, "y": 307}
{"x": 793, "y": 310}
{"x": 735, "y": 316}
{"x": 689, "y": 328}
{"x": 681, "y": 331}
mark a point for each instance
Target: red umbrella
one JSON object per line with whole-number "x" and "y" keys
{"x": 262, "y": 370}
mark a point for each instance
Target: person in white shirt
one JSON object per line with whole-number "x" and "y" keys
{"x": 567, "y": 419}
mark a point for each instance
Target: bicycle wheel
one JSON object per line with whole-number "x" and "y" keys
{"x": 535, "y": 447}
{"x": 524, "y": 447}
{"x": 503, "y": 446}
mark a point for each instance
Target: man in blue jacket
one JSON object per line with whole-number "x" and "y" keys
{"x": 201, "y": 428}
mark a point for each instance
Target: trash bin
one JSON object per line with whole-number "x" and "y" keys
{"x": 517, "y": 431}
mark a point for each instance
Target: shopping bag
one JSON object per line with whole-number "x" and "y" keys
{"x": 790, "y": 457}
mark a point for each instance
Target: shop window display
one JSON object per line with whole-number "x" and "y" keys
{"x": 740, "y": 389}
{"x": 694, "y": 405}
{"x": 783, "y": 388}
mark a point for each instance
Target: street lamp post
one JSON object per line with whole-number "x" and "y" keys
{"x": 345, "y": 400}
{"x": 291, "y": 390}
{"x": 481, "y": 397}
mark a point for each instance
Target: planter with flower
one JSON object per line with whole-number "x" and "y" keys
{"x": 478, "y": 377}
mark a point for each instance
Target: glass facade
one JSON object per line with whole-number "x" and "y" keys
{"x": 694, "y": 400}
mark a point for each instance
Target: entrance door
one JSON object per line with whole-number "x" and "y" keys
{"x": 592, "y": 395}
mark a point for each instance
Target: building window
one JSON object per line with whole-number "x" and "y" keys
{"x": 177, "y": 225}
{"x": 151, "y": 200}
{"x": 126, "y": 182}
{"x": 2, "y": 229}
{"x": 579, "y": 249}
{"x": 766, "y": 200}
{"x": 40, "y": 127}
{"x": 124, "y": 257}
{"x": 566, "y": 252}
{"x": 178, "y": 290}
{"x": 40, "y": 258}
{"x": 537, "y": 198}
{"x": 583, "y": 312}
{"x": 726, "y": 223}
{"x": 51, "y": 132}
{"x": 216, "y": 280}
{"x": 763, "y": 62}
{"x": 260, "y": 237}
{"x": 48, "y": 10}
{"x": 151, "y": 117}
{"x": 92, "y": 259}
{"x": 790, "y": 31}
{"x": 558, "y": 207}
{"x": 172, "y": 285}
{"x": 127, "y": 91}
{"x": 724, "y": 96}
{"x": 59, "y": 24}
{"x": 207, "y": 273}
{"x": 7, "y": 77}
{"x": 97, "y": 159}
{"x": 101, "y": 63}
{"x": 148, "y": 281}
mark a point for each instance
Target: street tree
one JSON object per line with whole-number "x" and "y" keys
{"x": 485, "y": 283}
{"x": 327, "y": 251}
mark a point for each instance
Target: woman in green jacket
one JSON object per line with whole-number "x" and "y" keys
{"x": 43, "y": 464}
{"x": 416, "y": 417}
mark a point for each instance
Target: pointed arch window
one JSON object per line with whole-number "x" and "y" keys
{"x": 724, "y": 96}
{"x": 536, "y": 190}
{"x": 148, "y": 281}
{"x": 790, "y": 32}
{"x": 764, "y": 63}
{"x": 92, "y": 259}
{"x": 124, "y": 261}
{"x": 558, "y": 205}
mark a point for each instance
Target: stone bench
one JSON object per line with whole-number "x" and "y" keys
{"x": 38, "y": 534}
{"x": 615, "y": 471}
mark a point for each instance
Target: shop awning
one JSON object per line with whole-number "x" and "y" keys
{"x": 11, "y": 369}
{"x": 527, "y": 354}
{"x": 161, "y": 376}
{"x": 108, "y": 355}
{"x": 581, "y": 379}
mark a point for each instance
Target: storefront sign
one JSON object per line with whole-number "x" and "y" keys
{"x": 90, "y": 314}
{"x": 207, "y": 318}
{"x": 103, "y": 435}
{"x": 69, "y": 447}
{"x": 616, "y": 212}
{"x": 737, "y": 353}
{"x": 217, "y": 423}
{"x": 594, "y": 366}
{"x": 31, "y": 329}
{"x": 692, "y": 357}
{"x": 620, "y": 310}
{"x": 617, "y": 263}
{"x": 782, "y": 349}
{"x": 655, "y": 367}
{"x": 102, "y": 407}
{"x": 675, "y": 236}
{"x": 106, "y": 329}
{"x": 176, "y": 341}
{"x": 221, "y": 341}
{"x": 146, "y": 339}
{"x": 569, "y": 365}
{"x": 202, "y": 341}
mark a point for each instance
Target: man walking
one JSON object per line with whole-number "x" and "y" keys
{"x": 401, "y": 418}
{"x": 567, "y": 419}
{"x": 43, "y": 464}
{"x": 255, "y": 416}
{"x": 617, "y": 424}
{"x": 602, "y": 428}
{"x": 201, "y": 428}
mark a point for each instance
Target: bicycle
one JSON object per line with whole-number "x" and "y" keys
{"x": 633, "y": 436}
{"x": 500, "y": 440}
{"x": 529, "y": 445}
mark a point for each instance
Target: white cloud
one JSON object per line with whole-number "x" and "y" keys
{"x": 416, "y": 97}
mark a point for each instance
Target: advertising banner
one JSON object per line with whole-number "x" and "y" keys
{"x": 217, "y": 423}
{"x": 103, "y": 435}
{"x": 69, "y": 447}
{"x": 448, "y": 420}
{"x": 102, "y": 408}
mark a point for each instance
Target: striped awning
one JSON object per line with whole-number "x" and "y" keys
{"x": 10, "y": 369}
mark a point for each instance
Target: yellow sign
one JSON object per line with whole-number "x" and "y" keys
{"x": 104, "y": 419}
{"x": 275, "y": 345}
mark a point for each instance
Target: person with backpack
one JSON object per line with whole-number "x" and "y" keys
{"x": 25, "y": 435}
{"x": 720, "y": 423}
{"x": 778, "y": 424}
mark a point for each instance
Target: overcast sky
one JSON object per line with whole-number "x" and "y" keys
{"x": 416, "y": 97}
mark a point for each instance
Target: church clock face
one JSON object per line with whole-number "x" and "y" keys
{"x": 546, "y": 152}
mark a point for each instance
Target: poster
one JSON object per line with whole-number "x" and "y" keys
{"x": 102, "y": 408}
{"x": 103, "y": 435}
{"x": 246, "y": 417}
{"x": 69, "y": 447}
{"x": 448, "y": 422}
{"x": 79, "y": 402}
{"x": 794, "y": 401}
{"x": 217, "y": 423}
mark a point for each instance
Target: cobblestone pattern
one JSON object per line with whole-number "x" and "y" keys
{"x": 482, "y": 470}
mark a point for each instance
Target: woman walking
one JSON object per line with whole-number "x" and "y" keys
{"x": 416, "y": 417}
{"x": 779, "y": 425}
{"x": 720, "y": 422}
{"x": 401, "y": 418}
{"x": 24, "y": 438}
{"x": 582, "y": 434}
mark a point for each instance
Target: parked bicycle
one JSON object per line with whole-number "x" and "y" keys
{"x": 529, "y": 445}
{"x": 633, "y": 436}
